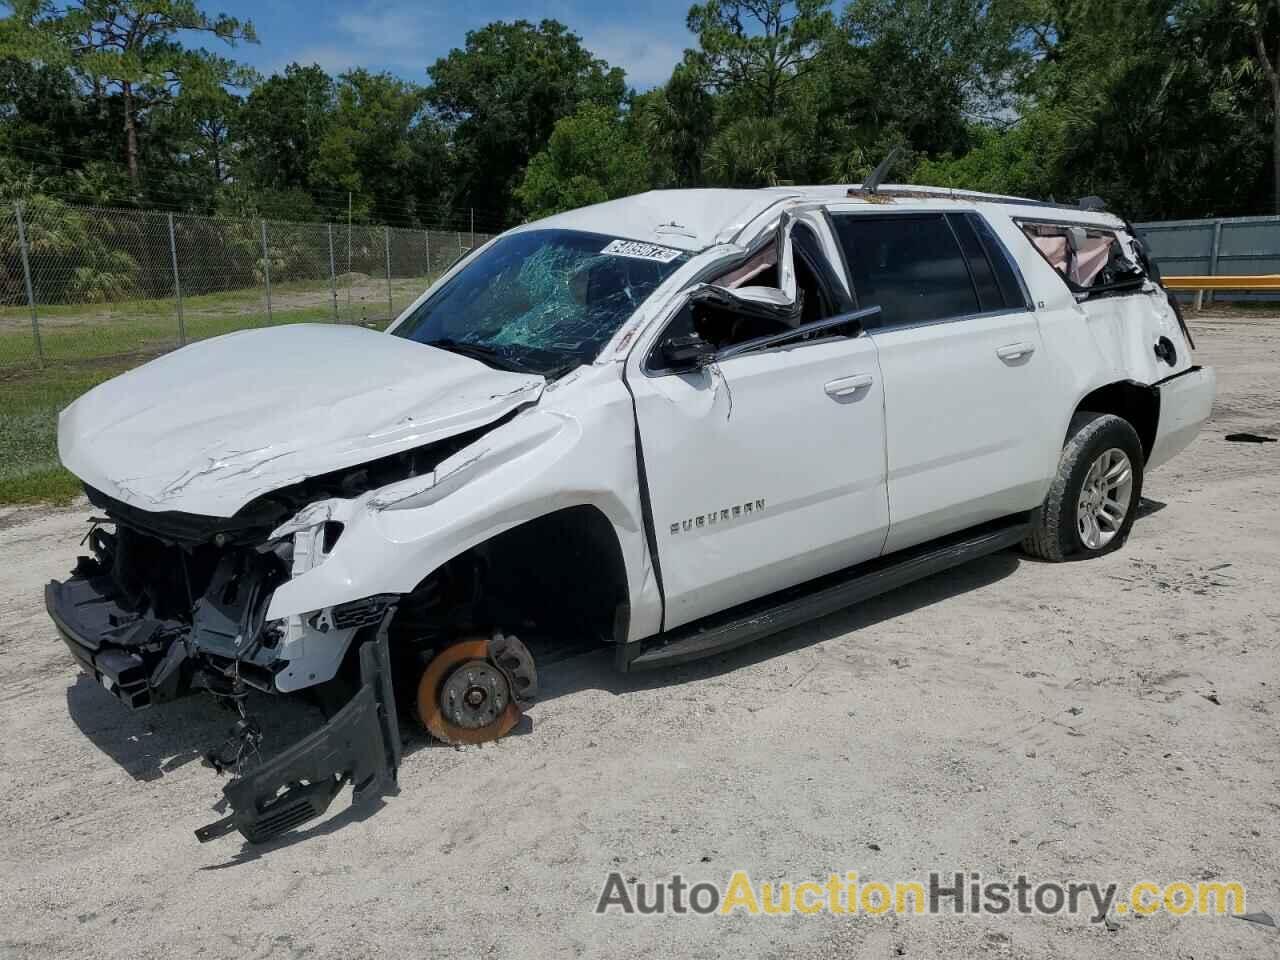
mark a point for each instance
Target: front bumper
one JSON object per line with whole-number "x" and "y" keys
{"x": 136, "y": 658}
{"x": 360, "y": 745}
{"x": 144, "y": 661}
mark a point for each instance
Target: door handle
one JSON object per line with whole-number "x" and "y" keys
{"x": 1015, "y": 351}
{"x": 848, "y": 386}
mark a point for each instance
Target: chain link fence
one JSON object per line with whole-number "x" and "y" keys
{"x": 88, "y": 284}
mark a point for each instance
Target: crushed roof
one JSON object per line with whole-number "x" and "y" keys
{"x": 695, "y": 219}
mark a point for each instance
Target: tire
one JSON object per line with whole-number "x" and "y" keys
{"x": 1060, "y": 527}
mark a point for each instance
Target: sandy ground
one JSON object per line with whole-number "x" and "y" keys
{"x": 1008, "y": 717}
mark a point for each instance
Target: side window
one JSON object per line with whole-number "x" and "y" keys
{"x": 820, "y": 294}
{"x": 1085, "y": 257}
{"x": 910, "y": 265}
{"x": 994, "y": 275}
{"x": 984, "y": 277}
{"x": 1012, "y": 289}
{"x": 824, "y": 295}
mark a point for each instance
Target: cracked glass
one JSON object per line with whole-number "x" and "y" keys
{"x": 542, "y": 301}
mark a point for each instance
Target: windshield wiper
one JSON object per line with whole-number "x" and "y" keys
{"x": 486, "y": 355}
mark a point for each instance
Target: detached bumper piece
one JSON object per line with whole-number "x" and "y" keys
{"x": 135, "y": 657}
{"x": 360, "y": 745}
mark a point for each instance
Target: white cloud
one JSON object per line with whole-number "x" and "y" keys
{"x": 398, "y": 33}
{"x": 378, "y": 36}
{"x": 647, "y": 56}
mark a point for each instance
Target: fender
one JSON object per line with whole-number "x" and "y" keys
{"x": 575, "y": 447}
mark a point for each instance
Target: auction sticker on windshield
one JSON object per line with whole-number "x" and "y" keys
{"x": 643, "y": 251}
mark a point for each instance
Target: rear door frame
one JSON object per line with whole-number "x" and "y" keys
{"x": 963, "y": 488}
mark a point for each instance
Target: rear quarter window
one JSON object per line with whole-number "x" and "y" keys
{"x": 1087, "y": 258}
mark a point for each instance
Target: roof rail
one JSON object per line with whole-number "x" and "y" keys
{"x": 908, "y": 192}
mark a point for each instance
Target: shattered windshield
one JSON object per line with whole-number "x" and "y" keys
{"x": 543, "y": 301}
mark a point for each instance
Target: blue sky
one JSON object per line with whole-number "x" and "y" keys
{"x": 404, "y": 38}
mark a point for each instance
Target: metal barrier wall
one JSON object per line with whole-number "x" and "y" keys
{"x": 1232, "y": 245}
{"x": 86, "y": 284}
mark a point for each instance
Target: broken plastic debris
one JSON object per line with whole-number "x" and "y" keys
{"x": 1249, "y": 438}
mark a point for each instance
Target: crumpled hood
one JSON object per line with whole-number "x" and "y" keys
{"x": 208, "y": 428}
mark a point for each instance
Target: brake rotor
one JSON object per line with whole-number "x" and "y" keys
{"x": 465, "y": 696}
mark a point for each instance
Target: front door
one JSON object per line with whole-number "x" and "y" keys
{"x": 763, "y": 470}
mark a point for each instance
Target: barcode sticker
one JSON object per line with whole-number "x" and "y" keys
{"x": 642, "y": 251}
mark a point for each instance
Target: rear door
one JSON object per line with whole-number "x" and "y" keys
{"x": 961, "y": 355}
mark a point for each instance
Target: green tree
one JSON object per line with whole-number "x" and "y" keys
{"x": 44, "y": 120}
{"x": 131, "y": 47}
{"x": 379, "y": 146}
{"x": 780, "y": 72}
{"x": 502, "y": 95}
{"x": 1023, "y": 159}
{"x": 751, "y": 152}
{"x": 935, "y": 65}
{"x": 755, "y": 50}
{"x": 676, "y": 123}
{"x": 1156, "y": 115}
{"x": 589, "y": 159}
{"x": 1261, "y": 20}
{"x": 281, "y": 126}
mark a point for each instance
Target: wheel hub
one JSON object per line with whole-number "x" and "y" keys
{"x": 473, "y": 690}
{"x": 1105, "y": 498}
{"x": 474, "y": 695}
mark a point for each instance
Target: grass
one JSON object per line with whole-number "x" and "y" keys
{"x": 88, "y": 331}
{"x": 29, "y": 405}
{"x": 87, "y": 344}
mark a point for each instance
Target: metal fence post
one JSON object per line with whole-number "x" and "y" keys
{"x": 473, "y": 228}
{"x": 391, "y": 306}
{"x": 459, "y": 236}
{"x": 266, "y": 267}
{"x": 1213, "y": 261}
{"x": 427, "y": 236}
{"x": 177, "y": 284}
{"x": 333, "y": 276}
{"x": 26, "y": 276}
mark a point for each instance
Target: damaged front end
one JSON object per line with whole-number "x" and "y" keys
{"x": 167, "y": 604}
{"x": 360, "y": 745}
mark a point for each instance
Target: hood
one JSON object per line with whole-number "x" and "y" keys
{"x": 208, "y": 428}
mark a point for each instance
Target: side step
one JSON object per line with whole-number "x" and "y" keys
{"x": 824, "y": 596}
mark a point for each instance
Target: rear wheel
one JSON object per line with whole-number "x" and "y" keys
{"x": 1092, "y": 503}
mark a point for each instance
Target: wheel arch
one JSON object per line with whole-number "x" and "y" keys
{"x": 566, "y": 566}
{"x": 1137, "y": 403}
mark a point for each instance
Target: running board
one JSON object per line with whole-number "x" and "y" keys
{"x": 789, "y": 608}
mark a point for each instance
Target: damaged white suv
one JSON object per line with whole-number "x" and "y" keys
{"x": 674, "y": 423}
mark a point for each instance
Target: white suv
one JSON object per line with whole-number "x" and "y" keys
{"x": 674, "y": 422}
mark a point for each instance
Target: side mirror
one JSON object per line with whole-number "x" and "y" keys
{"x": 686, "y": 353}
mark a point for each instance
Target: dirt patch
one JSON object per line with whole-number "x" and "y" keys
{"x": 1109, "y": 720}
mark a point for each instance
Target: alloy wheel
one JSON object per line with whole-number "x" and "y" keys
{"x": 1105, "y": 498}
